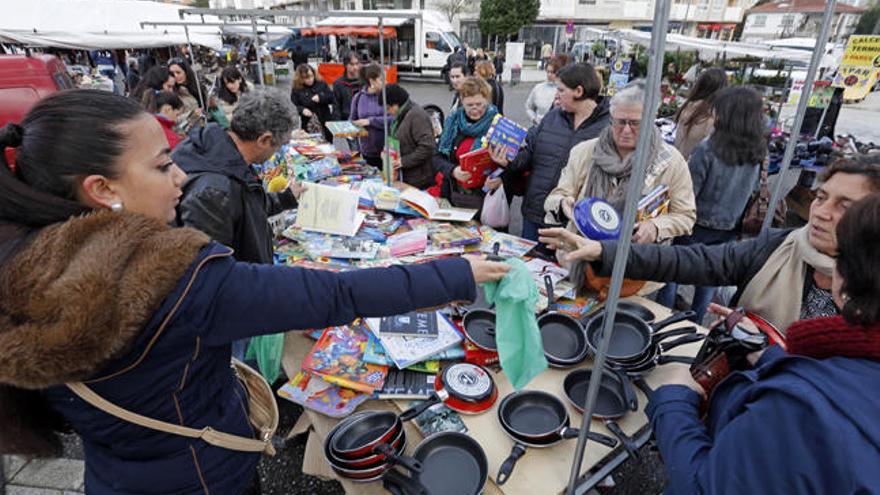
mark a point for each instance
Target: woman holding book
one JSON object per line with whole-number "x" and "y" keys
{"x": 601, "y": 168}
{"x": 98, "y": 289}
{"x": 462, "y": 134}
{"x": 368, "y": 112}
{"x": 725, "y": 169}
{"x": 312, "y": 97}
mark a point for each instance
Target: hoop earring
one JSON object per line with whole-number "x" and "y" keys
{"x": 116, "y": 207}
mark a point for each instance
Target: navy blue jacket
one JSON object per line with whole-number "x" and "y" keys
{"x": 545, "y": 154}
{"x": 178, "y": 369}
{"x": 790, "y": 425}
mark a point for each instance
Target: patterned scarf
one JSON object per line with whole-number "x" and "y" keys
{"x": 609, "y": 175}
{"x": 458, "y": 124}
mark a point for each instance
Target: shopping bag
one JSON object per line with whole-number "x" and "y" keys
{"x": 496, "y": 211}
{"x": 267, "y": 350}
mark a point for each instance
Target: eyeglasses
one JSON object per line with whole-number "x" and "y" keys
{"x": 474, "y": 106}
{"x": 621, "y": 123}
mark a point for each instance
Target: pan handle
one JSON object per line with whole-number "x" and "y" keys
{"x": 677, "y": 317}
{"x": 628, "y": 393}
{"x": 687, "y": 339}
{"x": 659, "y": 336}
{"x": 398, "y": 483}
{"x": 420, "y": 408}
{"x": 411, "y": 464}
{"x": 628, "y": 444}
{"x": 568, "y": 433}
{"x": 675, "y": 359}
{"x": 507, "y": 466}
{"x": 643, "y": 386}
{"x": 548, "y": 286}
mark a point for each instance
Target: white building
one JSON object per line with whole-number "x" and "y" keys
{"x": 799, "y": 19}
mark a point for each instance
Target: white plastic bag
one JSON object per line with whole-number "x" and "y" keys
{"x": 496, "y": 211}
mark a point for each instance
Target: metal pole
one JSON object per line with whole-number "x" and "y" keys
{"x": 257, "y": 50}
{"x": 192, "y": 59}
{"x": 387, "y": 169}
{"x": 636, "y": 182}
{"x": 794, "y": 134}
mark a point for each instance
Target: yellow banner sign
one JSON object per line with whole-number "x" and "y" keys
{"x": 860, "y": 67}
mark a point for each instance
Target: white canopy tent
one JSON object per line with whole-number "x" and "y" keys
{"x": 98, "y": 25}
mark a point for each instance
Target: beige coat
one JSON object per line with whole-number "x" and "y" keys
{"x": 674, "y": 172}
{"x": 688, "y": 137}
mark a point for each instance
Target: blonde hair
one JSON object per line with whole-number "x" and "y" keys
{"x": 474, "y": 86}
{"x": 302, "y": 70}
{"x": 485, "y": 69}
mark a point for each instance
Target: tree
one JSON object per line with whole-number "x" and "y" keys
{"x": 869, "y": 20}
{"x": 506, "y": 17}
{"x": 452, "y": 8}
{"x": 202, "y": 4}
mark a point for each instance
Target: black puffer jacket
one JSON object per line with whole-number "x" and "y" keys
{"x": 224, "y": 198}
{"x": 545, "y": 154}
{"x": 344, "y": 90}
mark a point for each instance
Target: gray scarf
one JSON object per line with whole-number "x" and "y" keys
{"x": 609, "y": 175}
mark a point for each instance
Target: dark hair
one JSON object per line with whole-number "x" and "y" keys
{"x": 168, "y": 98}
{"x": 154, "y": 79}
{"x": 68, "y": 134}
{"x": 739, "y": 137}
{"x": 702, "y": 94}
{"x": 396, "y": 95}
{"x": 583, "y": 75}
{"x": 351, "y": 56}
{"x": 192, "y": 83}
{"x": 230, "y": 74}
{"x": 371, "y": 71}
{"x": 858, "y": 260}
{"x": 459, "y": 65}
{"x": 559, "y": 61}
{"x": 867, "y": 166}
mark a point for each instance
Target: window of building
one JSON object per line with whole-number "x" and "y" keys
{"x": 787, "y": 20}
{"x": 587, "y": 2}
{"x": 759, "y": 20}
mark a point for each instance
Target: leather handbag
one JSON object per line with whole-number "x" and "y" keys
{"x": 262, "y": 414}
{"x": 759, "y": 204}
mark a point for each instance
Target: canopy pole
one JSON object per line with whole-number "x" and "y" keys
{"x": 636, "y": 183}
{"x": 794, "y": 134}
{"x": 192, "y": 60}
{"x": 257, "y": 50}
{"x": 387, "y": 168}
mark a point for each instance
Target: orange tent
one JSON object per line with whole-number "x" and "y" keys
{"x": 330, "y": 72}
{"x": 363, "y": 31}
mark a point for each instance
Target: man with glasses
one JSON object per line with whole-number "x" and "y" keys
{"x": 222, "y": 195}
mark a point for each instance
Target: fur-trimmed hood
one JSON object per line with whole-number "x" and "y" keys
{"x": 80, "y": 292}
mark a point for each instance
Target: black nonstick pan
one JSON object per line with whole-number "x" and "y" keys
{"x": 632, "y": 337}
{"x": 616, "y": 397}
{"x": 358, "y": 434}
{"x": 452, "y": 464}
{"x": 636, "y": 309}
{"x": 479, "y": 327}
{"x": 534, "y": 418}
{"x": 563, "y": 337}
{"x": 655, "y": 357}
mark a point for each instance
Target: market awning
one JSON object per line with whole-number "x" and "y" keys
{"x": 362, "y": 31}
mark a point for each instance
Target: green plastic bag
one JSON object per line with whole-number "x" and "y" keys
{"x": 267, "y": 350}
{"x": 520, "y": 349}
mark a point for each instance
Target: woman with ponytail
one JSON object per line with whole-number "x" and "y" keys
{"x": 99, "y": 295}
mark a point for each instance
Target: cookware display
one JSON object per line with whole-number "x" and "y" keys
{"x": 463, "y": 387}
{"x": 358, "y": 435}
{"x": 656, "y": 357}
{"x": 533, "y": 418}
{"x": 452, "y": 464}
{"x": 563, "y": 337}
{"x": 632, "y": 336}
{"x": 362, "y": 432}
{"x": 636, "y": 309}
{"x": 479, "y": 328}
{"x": 615, "y": 398}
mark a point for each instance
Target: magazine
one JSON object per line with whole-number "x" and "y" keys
{"x": 374, "y": 353}
{"x": 337, "y": 357}
{"x": 345, "y": 129}
{"x": 406, "y": 243}
{"x": 312, "y": 392}
{"x": 508, "y": 245}
{"x": 444, "y": 236}
{"x": 406, "y": 351}
{"x": 414, "y": 324}
{"x": 330, "y": 210}
{"x": 428, "y": 207}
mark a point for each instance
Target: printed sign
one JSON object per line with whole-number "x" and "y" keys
{"x": 859, "y": 68}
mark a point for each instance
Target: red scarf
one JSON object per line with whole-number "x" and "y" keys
{"x": 833, "y": 336}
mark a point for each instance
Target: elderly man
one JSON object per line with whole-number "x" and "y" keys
{"x": 781, "y": 275}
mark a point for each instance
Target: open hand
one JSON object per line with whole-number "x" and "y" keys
{"x": 498, "y": 154}
{"x": 361, "y": 122}
{"x": 297, "y": 188}
{"x": 316, "y": 98}
{"x": 646, "y": 233}
{"x": 486, "y": 271}
{"x": 493, "y": 184}
{"x": 680, "y": 374}
{"x": 575, "y": 247}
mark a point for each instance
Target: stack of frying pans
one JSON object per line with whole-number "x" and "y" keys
{"x": 364, "y": 446}
{"x": 452, "y": 464}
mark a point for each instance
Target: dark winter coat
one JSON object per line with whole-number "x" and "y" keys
{"x": 732, "y": 263}
{"x": 497, "y": 94}
{"x": 365, "y": 105}
{"x": 792, "y": 424}
{"x": 302, "y": 98}
{"x": 224, "y": 198}
{"x": 720, "y": 189}
{"x": 416, "y": 135}
{"x": 299, "y": 57}
{"x": 344, "y": 90}
{"x": 545, "y": 154}
{"x": 144, "y": 314}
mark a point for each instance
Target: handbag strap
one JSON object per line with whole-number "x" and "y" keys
{"x": 208, "y": 434}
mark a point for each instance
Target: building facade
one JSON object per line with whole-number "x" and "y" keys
{"x": 799, "y": 19}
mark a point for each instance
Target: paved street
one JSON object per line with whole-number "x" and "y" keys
{"x": 858, "y": 119}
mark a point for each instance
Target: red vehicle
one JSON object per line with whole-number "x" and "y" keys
{"x": 24, "y": 80}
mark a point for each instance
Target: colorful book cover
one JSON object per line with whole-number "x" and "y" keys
{"x": 477, "y": 163}
{"x": 406, "y": 351}
{"x": 508, "y": 245}
{"x": 653, "y": 204}
{"x": 406, "y": 243}
{"x": 414, "y": 324}
{"x": 345, "y": 129}
{"x": 507, "y": 133}
{"x": 446, "y": 235}
{"x": 407, "y": 384}
{"x": 337, "y": 357}
{"x": 375, "y": 354}
{"x": 313, "y": 393}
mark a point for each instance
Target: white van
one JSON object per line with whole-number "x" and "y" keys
{"x": 423, "y": 41}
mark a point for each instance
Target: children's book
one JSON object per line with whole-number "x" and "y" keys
{"x": 428, "y": 207}
{"x": 406, "y": 351}
{"x": 506, "y": 133}
{"x": 413, "y": 324}
{"x": 406, "y": 243}
{"x": 342, "y": 248}
{"x": 446, "y": 235}
{"x": 479, "y": 164}
{"x": 330, "y": 210}
{"x": 312, "y": 392}
{"x": 345, "y": 129}
{"x": 406, "y": 384}
{"x": 375, "y": 354}
{"x": 337, "y": 357}
{"x": 653, "y": 204}
{"x": 508, "y": 245}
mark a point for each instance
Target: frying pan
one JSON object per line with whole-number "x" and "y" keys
{"x": 535, "y": 418}
{"x": 452, "y": 464}
{"x": 563, "y": 337}
{"x": 463, "y": 387}
{"x": 636, "y": 309}
{"x": 616, "y": 397}
{"x": 479, "y": 327}
{"x": 391, "y": 455}
{"x": 369, "y": 461}
{"x": 357, "y": 435}
{"x": 631, "y": 337}
{"x": 655, "y": 357}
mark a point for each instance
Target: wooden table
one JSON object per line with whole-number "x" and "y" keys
{"x": 546, "y": 470}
